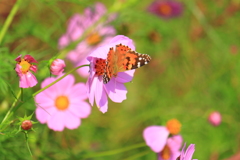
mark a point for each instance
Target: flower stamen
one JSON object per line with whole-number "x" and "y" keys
{"x": 93, "y": 39}
{"x": 165, "y": 153}
{"x": 173, "y": 126}
{"x": 25, "y": 66}
{"x": 165, "y": 9}
{"x": 62, "y": 102}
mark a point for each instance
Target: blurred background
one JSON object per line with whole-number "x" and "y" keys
{"x": 195, "y": 70}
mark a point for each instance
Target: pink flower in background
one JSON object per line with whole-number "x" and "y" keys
{"x": 57, "y": 67}
{"x": 62, "y": 105}
{"x": 101, "y": 34}
{"x": 172, "y": 148}
{"x": 23, "y": 67}
{"x": 157, "y": 138}
{"x": 115, "y": 88}
{"x": 167, "y": 148}
{"x": 215, "y": 118}
{"x": 166, "y": 8}
{"x": 188, "y": 154}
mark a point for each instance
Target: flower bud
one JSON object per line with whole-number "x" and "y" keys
{"x": 215, "y": 118}
{"x": 26, "y": 125}
{"x": 57, "y": 67}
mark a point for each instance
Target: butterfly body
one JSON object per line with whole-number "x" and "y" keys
{"x": 119, "y": 60}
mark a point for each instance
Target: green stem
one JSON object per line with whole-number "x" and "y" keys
{"x": 74, "y": 69}
{"x": 21, "y": 94}
{"x": 26, "y": 137}
{"x": 9, "y": 19}
{"x": 11, "y": 108}
{"x": 112, "y": 152}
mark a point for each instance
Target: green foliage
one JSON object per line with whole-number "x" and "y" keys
{"x": 195, "y": 69}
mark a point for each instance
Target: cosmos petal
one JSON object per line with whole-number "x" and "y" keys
{"x": 156, "y": 137}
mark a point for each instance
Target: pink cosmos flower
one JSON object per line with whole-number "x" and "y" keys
{"x": 167, "y": 148}
{"x": 23, "y": 67}
{"x": 115, "y": 88}
{"x": 171, "y": 149}
{"x": 164, "y": 140}
{"x": 215, "y": 118}
{"x": 188, "y": 154}
{"x": 62, "y": 105}
{"x": 57, "y": 67}
{"x": 166, "y": 8}
{"x": 100, "y": 35}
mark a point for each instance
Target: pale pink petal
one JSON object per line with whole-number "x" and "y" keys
{"x": 107, "y": 30}
{"x": 189, "y": 152}
{"x": 66, "y": 83}
{"x": 126, "y": 76}
{"x": 156, "y": 137}
{"x": 81, "y": 109}
{"x": 74, "y": 22}
{"x": 123, "y": 40}
{"x": 101, "y": 52}
{"x": 50, "y": 91}
{"x": 63, "y": 41}
{"x": 84, "y": 71}
{"x": 44, "y": 114}
{"x": 78, "y": 91}
{"x": 27, "y": 80}
{"x": 71, "y": 121}
{"x": 56, "y": 121}
{"x": 116, "y": 91}
{"x": 103, "y": 106}
{"x": 100, "y": 8}
{"x": 101, "y": 97}
{"x": 44, "y": 101}
{"x": 92, "y": 83}
{"x": 175, "y": 142}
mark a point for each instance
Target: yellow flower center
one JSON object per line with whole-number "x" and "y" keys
{"x": 93, "y": 39}
{"x": 173, "y": 126}
{"x": 165, "y": 9}
{"x": 165, "y": 153}
{"x": 25, "y": 66}
{"x": 62, "y": 102}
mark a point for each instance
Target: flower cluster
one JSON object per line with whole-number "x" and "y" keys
{"x": 77, "y": 27}
{"x": 164, "y": 140}
{"x": 61, "y": 103}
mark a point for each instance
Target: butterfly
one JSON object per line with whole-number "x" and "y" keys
{"x": 119, "y": 60}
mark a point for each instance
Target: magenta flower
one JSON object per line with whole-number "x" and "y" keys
{"x": 23, "y": 67}
{"x": 57, "y": 67}
{"x": 115, "y": 88}
{"x": 166, "y": 8}
{"x": 215, "y": 118}
{"x": 100, "y": 35}
{"x": 157, "y": 138}
{"x": 188, "y": 154}
{"x": 62, "y": 105}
